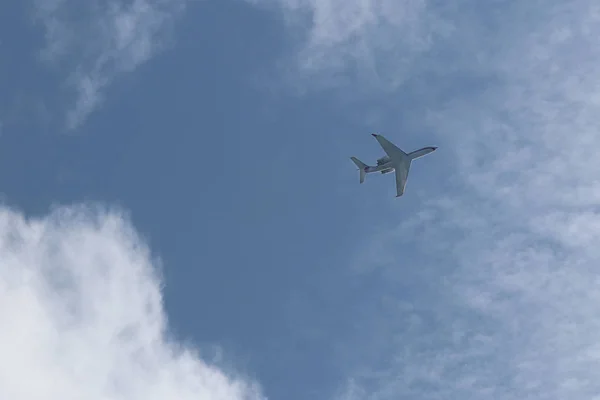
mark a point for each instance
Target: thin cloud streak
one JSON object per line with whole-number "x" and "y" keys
{"x": 97, "y": 42}
{"x": 82, "y": 316}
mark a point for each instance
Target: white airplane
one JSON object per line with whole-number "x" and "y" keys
{"x": 395, "y": 160}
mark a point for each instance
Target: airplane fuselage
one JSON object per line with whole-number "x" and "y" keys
{"x": 386, "y": 165}
{"x": 383, "y": 168}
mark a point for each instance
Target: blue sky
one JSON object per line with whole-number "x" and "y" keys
{"x": 181, "y": 218}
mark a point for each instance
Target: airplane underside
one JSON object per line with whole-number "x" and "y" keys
{"x": 395, "y": 160}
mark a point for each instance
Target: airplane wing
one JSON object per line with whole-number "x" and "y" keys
{"x": 401, "y": 178}
{"x": 390, "y": 149}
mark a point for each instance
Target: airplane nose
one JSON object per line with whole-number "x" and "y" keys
{"x": 374, "y": 134}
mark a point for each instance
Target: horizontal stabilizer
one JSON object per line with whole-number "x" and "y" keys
{"x": 362, "y": 167}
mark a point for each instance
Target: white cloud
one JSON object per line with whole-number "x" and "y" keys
{"x": 375, "y": 41}
{"x": 82, "y": 316}
{"x": 500, "y": 298}
{"x": 94, "y": 42}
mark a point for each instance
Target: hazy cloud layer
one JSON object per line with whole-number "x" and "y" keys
{"x": 93, "y": 42}
{"x": 502, "y": 299}
{"x": 82, "y": 316}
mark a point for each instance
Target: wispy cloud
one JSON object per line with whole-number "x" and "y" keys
{"x": 82, "y": 316}
{"x": 491, "y": 291}
{"x": 519, "y": 282}
{"x": 96, "y": 41}
{"x": 377, "y": 42}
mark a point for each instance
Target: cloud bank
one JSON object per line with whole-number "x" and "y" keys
{"x": 501, "y": 297}
{"x": 94, "y": 42}
{"x": 82, "y": 316}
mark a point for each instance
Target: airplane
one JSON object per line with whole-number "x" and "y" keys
{"x": 395, "y": 160}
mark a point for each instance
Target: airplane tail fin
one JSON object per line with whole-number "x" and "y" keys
{"x": 362, "y": 167}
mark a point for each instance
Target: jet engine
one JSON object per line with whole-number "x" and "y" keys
{"x": 383, "y": 160}
{"x": 387, "y": 170}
